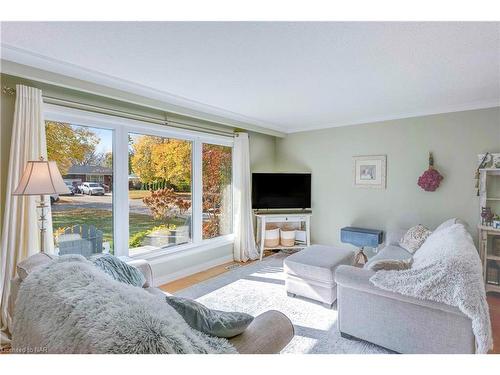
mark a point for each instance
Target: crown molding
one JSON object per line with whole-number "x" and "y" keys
{"x": 20, "y": 62}
{"x": 402, "y": 116}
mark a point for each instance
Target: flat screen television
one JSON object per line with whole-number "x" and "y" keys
{"x": 281, "y": 190}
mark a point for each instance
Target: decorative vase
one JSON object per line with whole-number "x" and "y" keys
{"x": 431, "y": 178}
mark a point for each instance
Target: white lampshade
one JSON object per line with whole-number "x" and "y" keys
{"x": 41, "y": 177}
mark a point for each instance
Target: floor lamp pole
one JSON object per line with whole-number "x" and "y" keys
{"x": 42, "y": 205}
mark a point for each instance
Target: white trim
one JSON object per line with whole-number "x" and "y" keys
{"x": 120, "y": 181}
{"x": 401, "y": 116}
{"x": 158, "y": 281}
{"x": 15, "y": 61}
{"x": 197, "y": 192}
{"x": 162, "y": 253}
{"x": 19, "y": 62}
{"x": 86, "y": 118}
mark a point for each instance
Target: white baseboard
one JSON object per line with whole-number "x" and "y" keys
{"x": 163, "y": 279}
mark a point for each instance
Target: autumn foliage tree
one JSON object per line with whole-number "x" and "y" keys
{"x": 158, "y": 159}
{"x": 155, "y": 159}
{"x": 68, "y": 145}
{"x": 216, "y": 179}
{"x": 165, "y": 203}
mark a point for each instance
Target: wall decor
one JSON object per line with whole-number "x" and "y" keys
{"x": 370, "y": 171}
{"x": 431, "y": 178}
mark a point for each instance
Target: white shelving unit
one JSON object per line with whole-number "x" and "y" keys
{"x": 489, "y": 195}
{"x": 303, "y": 218}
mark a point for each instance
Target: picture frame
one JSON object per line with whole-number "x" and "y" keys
{"x": 370, "y": 171}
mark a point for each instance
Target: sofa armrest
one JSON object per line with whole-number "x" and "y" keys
{"x": 359, "y": 279}
{"x": 145, "y": 268}
{"x": 269, "y": 333}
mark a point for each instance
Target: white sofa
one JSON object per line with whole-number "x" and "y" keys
{"x": 395, "y": 321}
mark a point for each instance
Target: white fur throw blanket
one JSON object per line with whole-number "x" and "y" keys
{"x": 446, "y": 269}
{"x": 70, "y": 306}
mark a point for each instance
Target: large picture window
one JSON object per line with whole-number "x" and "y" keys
{"x": 137, "y": 188}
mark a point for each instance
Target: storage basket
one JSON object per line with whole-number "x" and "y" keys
{"x": 288, "y": 237}
{"x": 272, "y": 238}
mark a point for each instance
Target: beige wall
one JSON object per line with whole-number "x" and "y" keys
{"x": 262, "y": 152}
{"x": 455, "y": 140}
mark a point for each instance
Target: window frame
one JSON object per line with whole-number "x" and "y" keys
{"x": 121, "y": 127}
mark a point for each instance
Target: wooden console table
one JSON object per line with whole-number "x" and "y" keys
{"x": 283, "y": 217}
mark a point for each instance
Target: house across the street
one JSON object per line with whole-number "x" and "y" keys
{"x": 90, "y": 173}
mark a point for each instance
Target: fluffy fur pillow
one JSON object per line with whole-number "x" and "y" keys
{"x": 414, "y": 238}
{"x": 391, "y": 265}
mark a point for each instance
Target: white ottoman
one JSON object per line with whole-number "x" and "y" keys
{"x": 310, "y": 272}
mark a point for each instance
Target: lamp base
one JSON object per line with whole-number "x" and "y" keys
{"x": 360, "y": 257}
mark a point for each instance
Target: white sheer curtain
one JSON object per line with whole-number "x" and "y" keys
{"x": 20, "y": 235}
{"x": 244, "y": 240}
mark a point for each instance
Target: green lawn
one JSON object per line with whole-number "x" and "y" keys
{"x": 103, "y": 220}
{"x": 139, "y": 194}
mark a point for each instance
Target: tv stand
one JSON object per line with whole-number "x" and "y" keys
{"x": 282, "y": 217}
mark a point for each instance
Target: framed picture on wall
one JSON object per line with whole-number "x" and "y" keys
{"x": 370, "y": 171}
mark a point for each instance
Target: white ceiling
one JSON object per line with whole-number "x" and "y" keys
{"x": 284, "y": 76}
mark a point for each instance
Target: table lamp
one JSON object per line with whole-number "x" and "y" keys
{"x": 361, "y": 237}
{"x": 41, "y": 177}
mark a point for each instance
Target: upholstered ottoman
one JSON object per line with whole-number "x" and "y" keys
{"x": 310, "y": 272}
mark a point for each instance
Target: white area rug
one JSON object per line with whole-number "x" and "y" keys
{"x": 259, "y": 287}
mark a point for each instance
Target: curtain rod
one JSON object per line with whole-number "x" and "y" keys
{"x": 124, "y": 114}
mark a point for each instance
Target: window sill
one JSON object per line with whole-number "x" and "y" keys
{"x": 203, "y": 245}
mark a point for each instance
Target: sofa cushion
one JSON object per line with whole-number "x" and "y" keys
{"x": 390, "y": 252}
{"x": 318, "y": 262}
{"x": 25, "y": 267}
{"x": 414, "y": 238}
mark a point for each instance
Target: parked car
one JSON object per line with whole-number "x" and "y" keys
{"x": 91, "y": 188}
{"x": 71, "y": 188}
{"x": 105, "y": 187}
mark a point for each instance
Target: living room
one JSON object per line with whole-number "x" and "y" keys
{"x": 249, "y": 187}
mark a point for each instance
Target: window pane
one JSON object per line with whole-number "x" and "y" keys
{"x": 217, "y": 190}
{"x": 159, "y": 192}
{"x": 82, "y": 220}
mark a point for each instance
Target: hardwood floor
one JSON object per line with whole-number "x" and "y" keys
{"x": 196, "y": 278}
{"x": 494, "y": 303}
{"x": 186, "y": 282}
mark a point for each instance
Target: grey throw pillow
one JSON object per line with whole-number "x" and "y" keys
{"x": 119, "y": 270}
{"x": 212, "y": 322}
{"x": 391, "y": 265}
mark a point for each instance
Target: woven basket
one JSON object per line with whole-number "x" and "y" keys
{"x": 287, "y": 237}
{"x": 272, "y": 238}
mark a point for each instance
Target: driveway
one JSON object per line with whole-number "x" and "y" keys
{"x": 99, "y": 202}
